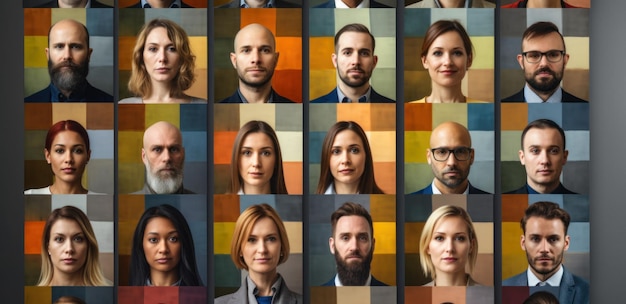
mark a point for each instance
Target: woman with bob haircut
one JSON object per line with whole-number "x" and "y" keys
{"x": 256, "y": 165}
{"x": 347, "y": 166}
{"x": 67, "y": 151}
{"x": 163, "y": 252}
{"x": 448, "y": 243}
{"x": 162, "y": 65}
{"x": 69, "y": 251}
{"x": 447, "y": 54}
{"x": 259, "y": 245}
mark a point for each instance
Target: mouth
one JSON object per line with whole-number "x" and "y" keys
{"x": 163, "y": 70}
{"x": 346, "y": 171}
{"x": 256, "y": 174}
{"x": 356, "y": 72}
{"x": 545, "y": 172}
{"x": 68, "y": 170}
{"x": 69, "y": 261}
{"x": 262, "y": 260}
{"x": 450, "y": 260}
{"x": 163, "y": 260}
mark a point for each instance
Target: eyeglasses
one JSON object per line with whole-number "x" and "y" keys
{"x": 551, "y": 55}
{"x": 460, "y": 153}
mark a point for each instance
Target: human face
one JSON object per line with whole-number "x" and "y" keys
{"x": 160, "y": 56}
{"x": 67, "y": 247}
{"x": 355, "y": 60}
{"x": 257, "y": 160}
{"x": 451, "y": 174}
{"x": 447, "y": 60}
{"x": 163, "y": 155}
{"x": 255, "y": 57}
{"x": 347, "y": 160}
{"x": 261, "y": 251}
{"x": 543, "y": 157}
{"x": 160, "y": 3}
{"x": 161, "y": 245}
{"x": 68, "y": 55}
{"x": 450, "y": 245}
{"x": 68, "y": 157}
{"x": 543, "y": 77}
{"x": 352, "y": 241}
{"x": 545, "y": 244}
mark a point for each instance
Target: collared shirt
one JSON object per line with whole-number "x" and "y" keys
{"x": 331, "y": 189}
{"x": 88, "y": 5}
{"x": 177, "y": 283}
{"x": 76, "y": 95}
{"x": 363, "y": 4}
{"x": 367, "y": 283}
{"x": 175, "y": 4}
{"x": 363, "y": 98}
{"x": 522, "y": 4}
{"x": 436, "y": 190}
{"x": 269, "y": 100}
{"x": 554, "y": 280}
{"x": 532, "y": 97}
{"x": 468, "y": 4}
{"x": 558, "y": 190}
{"x": 253, "y": 291}
{"x": 268, "y": 4}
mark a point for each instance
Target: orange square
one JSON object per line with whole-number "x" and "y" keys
{"x": 293, "y": 177}
{"x": 513, "y": 207}
{"x": 514, "y": 116}
{"x": 37, "y": 116}
{"x": 37, "y": 22}
{"x": 266, "y": 17}
{"x": 417, "y": 294}
{"x": 131, "y": 117}
{"x": 33, "y": 232}
{"x": 418, "y": 117}
{"x": 223, "y": 143}
{"x": 385, "y": 174}
{"x": 225, "y": 207}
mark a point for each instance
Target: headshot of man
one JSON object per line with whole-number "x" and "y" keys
{"x": 163, "y": 155}
{"x": 160, "y": 4}
{"x": 543, "y": 60}
{"x": 450, "y": 157}
{"x": 351, "y": 4}
{"x": 452, "y": 4}
{"x": 545, "y": 241}
{"x": 539, "y": 4}
{"x": 68, "y": 54}
{"x": 255, "y": 57}
{"x": 543, "y": 155}
{"x": 354, "y": 61}
{"x": 73, "y": 4}
{"x": 352, "y": 243}
{"x": 260, "y": 4}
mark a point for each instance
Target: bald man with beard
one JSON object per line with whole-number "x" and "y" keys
{"x": 255, "y": 58}
{"x": 450, "y": 157}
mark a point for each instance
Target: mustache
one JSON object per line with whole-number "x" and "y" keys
{"x": 545, "y": 70}
{"x": 356, "y": 69}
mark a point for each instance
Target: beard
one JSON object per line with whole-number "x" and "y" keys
{"x": 355, "y": 273}
{"x": 164, "y": 184}
{"x": 67, "y": 75}
{"x": 355, "y": 83}
{"x": 556, "y": 262}
{"x": 258, "y": 83}
{"x": 545, "y": 86}
{"x": 452, "y": 182}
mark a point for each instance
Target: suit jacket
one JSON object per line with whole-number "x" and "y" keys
{"x": 373, "y": 282}
{"x": 572, "y": 289}
{"x": 519, "y": 97}
{"x": 277, "y": 4}
{"x": 333, "y": 97}
{"x": 429, "y": 190}
{"x": 432, "y": 4}
{"x": 284, "y": 295}
{"x": 559, "y": 190}
{"x": 522, "y": 4}
{"x": 90, "y": 94}
{"x": 55, "y": 4}
{"x": 331, "y": 4}
{"x": 147, "y": 190}
{"x": 138, "y": 5}
{"x": 235, "y": 98}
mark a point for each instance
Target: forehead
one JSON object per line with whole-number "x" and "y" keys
{"x": 67, "y": 30}
{"x": 65, "y": 225}
{"x": 450, "y": 224}
{"x": 543, "y": 137}
{"x": 449, "y": 39}
{"x": 450, "y": 135}
{"x": 257, "y": 138}
{"x": 353, "y": 224}
{"x": 158, "y": 223}
{"x": 264, "y": 225}
{"x": 67, "y": 135}
{"x": 543, "y": 226}
{"x": 163, "y": 136}
{"x": 347, "y": 137}
{"x": 551, "y": 41}
{"x": 158, "y": 33}
{"x": 356, "y": 40}
{"x": 254, "y": 36}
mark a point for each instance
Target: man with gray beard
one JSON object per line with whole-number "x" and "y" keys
{"x": 68, "y": 54}
{"x": 163, "y": 155}
{"x": 352, "y": 244}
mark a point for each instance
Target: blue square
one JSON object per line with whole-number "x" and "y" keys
{"x": 575, "y": 116}
{"x": 480, "y": 117}
{"x": 322, "y": 22}
{"x": 193, "y": 117}
{"x": 416, "y": 22}
{"x": 417, "y": 208}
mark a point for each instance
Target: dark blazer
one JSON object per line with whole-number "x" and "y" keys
{"x": 559, "y": 190}
{"x": 91, "y": 94}
{"x": 333, "y": 97}
{"x": 138, "y": 5}
{"x": 429, "y": 190}
{"x": 572, "y": 289}
{"x": 55, "y": 4}
{"x": 519, "y": 97}
{"x": 277, "y": 4}
{"x": 331, "y": 4}
{"x": 235, "y": 98}
{"x": 373, "y": 282}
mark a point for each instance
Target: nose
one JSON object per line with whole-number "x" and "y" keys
{"x": 161, "y": 55}
{"x": 68, "y": 157}
{"x": 166, "y": 156}
{"x": 69, "y": 247}
{"x": 345, "y": 157}
{"x": 255, "y": 57}
{"x": 163, "y": 247}
{"x": 67, "y": 53}
{"x": 544, "y": 247}
{"x": 262, "y": 247}
{"x": 256, "y": 160}
{"x": 449, "y": 245}
{"x": 543, "y": 158}
{"x": 451, "y": 161}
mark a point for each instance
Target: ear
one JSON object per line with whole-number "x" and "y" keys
{"x": 566, "y": 243}
{"x": 143, "y": 155}
{"x": 429, "y": 155}
{"x": 565, "y": 59}
{"x": 333, "y": 57}
{"x": 233, "y": 60}
{"x": 331, "y": 245}
{"x": 46, "y": 154}
{"x": 470, "y": 59}
{"x": 523, "y": 243}
{"x": 471, "y": 160}
{"x": 565, "y": 154}
{"x": 520, "y": 61}
{"x": 88, "y": 156}
{"x": 424, "y": 62}
{"x": 89, "y": 55}
{"x": 520, "y": 153}
{"x": 375, "y": 61}
{"x": 48, "y": 53}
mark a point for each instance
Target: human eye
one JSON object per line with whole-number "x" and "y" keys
{"x": 437, "y": 53}
{"x": 534, "y": 150}
{"x": 553, "y": 239}
{"x": 554, "y": 150}
{"x": 438, "y": 238}
{"x": 78, "y": 150}
{"x": 345, "y": 237}
{"x": 272, "y": 239}
{"x": 152, "y": 49}
{"x": 171, "y": 49}
{"x": 355, "y": 150}
{"x": 157, "y": 149}
{"x": 460, "y": 238}
{"x": 363, "y": 238}
{"x": 554, "y": 55}
{"x": 58, "y": 239}
{"x": 441, "y": 152}
{"x": 533, "y": 55}
{"x": 266, "y": 50}
{"x": 347, "y": 52}
{"x": 246, "y": 152}
{"x": 335, "y": 151}
{"x": 78, "y": 239}
{"x": 173, "y": 238}
{"x": 251, "y": 240}
{"x": 266, "y": 153}
{"x": 458, "y": 53}
{"x": 174, "y": 149}
{"x": 59, "y": 150}
{"x": 365, "y": 53}
{"x": 535, "y": 239}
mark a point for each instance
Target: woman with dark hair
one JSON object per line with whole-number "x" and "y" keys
{"x": 69, "y": 251}
{"x": 67, "y": 151}
{"x": 347, "y": 166}
{"x": 163, "y": 252}
{"x": 259, "y": 245}
{"x": 447, "y": 54}
{"x": 163, "y": 65}
{"x": 256, "y": 165}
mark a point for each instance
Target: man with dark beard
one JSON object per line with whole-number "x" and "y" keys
{"x": 543, "y": 60}
{"x": 545, "y": 241}
{"x": 355, "y": 61}
{"x": 255, "y": 58}
{"x": 163, "y": 155}
{"x": 68, "y": 56}
{"x": 352, "y": 244}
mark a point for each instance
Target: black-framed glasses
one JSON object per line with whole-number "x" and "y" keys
{"x": 551, "y": 55}
{"x": 460, "y": 153}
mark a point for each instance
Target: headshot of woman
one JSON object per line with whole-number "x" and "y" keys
{"x": 447, "y": 245}
{"x": 347, "y": 166}
{"x": 447, "y": 54}
{"x": 256, "y": 165}
{"x": 259, "y": 245}
{"x": 163, "y": 65}
{"x": 67, "y": 151}
{"x": 69, "y": 251}
{"x": 163, "y": 252}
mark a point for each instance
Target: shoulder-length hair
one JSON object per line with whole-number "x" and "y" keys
{"x": 443, "y": 26}
{"x": 243, "y": 229}
{"x": 139, "y": 82}
{"x": 367, "y": 183}
{"x": 277, "y": 182}
{"x": 92, "y": 271}
{"x": 427, "y": 234}
{"x": 66, "y": 125}
{"x": 187, "y": 268}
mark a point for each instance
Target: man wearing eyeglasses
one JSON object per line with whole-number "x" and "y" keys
{"x": 543, "y": 61}
{"x": 450, "y": 157}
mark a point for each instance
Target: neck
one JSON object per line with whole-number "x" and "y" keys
{"x": 67, "y": 279}
{"x": 162, "y": 93}
{"x": 256, "y": 3}
{"x": 343, "y": 188}
{"x": 452, "y": 279}
{"x": 264, "y": 281}
{"x": 545, "y": 276}
{"x": 452, "y": 3}
{"x": 446, "y": 95}
{"x": 256, "y": 94}
{"x": 81, "y": 4}
{"x": 460, "y": 189}
{"x": 64, "y": 188}
{"x": 353, "y": 93}
{"x": 543, "y": 188}
{"x": 262, "y": 189}
{"x": 160, "y": 278}
{"x": 543, "y": 4}
{"x": 352, "y": 3}
{"x": 160, "y": 4}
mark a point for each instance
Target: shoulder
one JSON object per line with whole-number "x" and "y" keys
{"x": 197, "y": 100}
{"x": 96, "y": 4}
{"x": 511, "y": 5}
{"x": 567, "y": 97}
{"x": 327, "y": 4}
{"x": 285, "y": 4}
{"x": 47, "y": 4}
{"x": 95, "y": 94}
{"x": 376, "y": 282}
{"x": 472, "y": 100}
{"x": 330, "y": 282}
{"x": 520, "y": 190}
{"x": 44, "y": 190}
{"x": 185, "y": 5}
{"x": 380, "y": 98}
{"x": 281, "y": 99}
{"x": 328, "y": 98}
{"x": 423, "y": 4}
{"x": 423, "y": 100}
{"x": 431, "y": 283}
{"x": 483, "y": 4}
{"x": 474, "y": 190}
{"x": 425, "y": 190}
{"x": 136, "y": 5}
{"x": 130, "y": 100}
{"x": 231, "y": 4}
{"x": 517, "y": 280}
{"x": 40, "y": 96}
{"x": 517, "y": 97}
{"x": 232, "y": 98}
{"x": 375, "y": 4}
